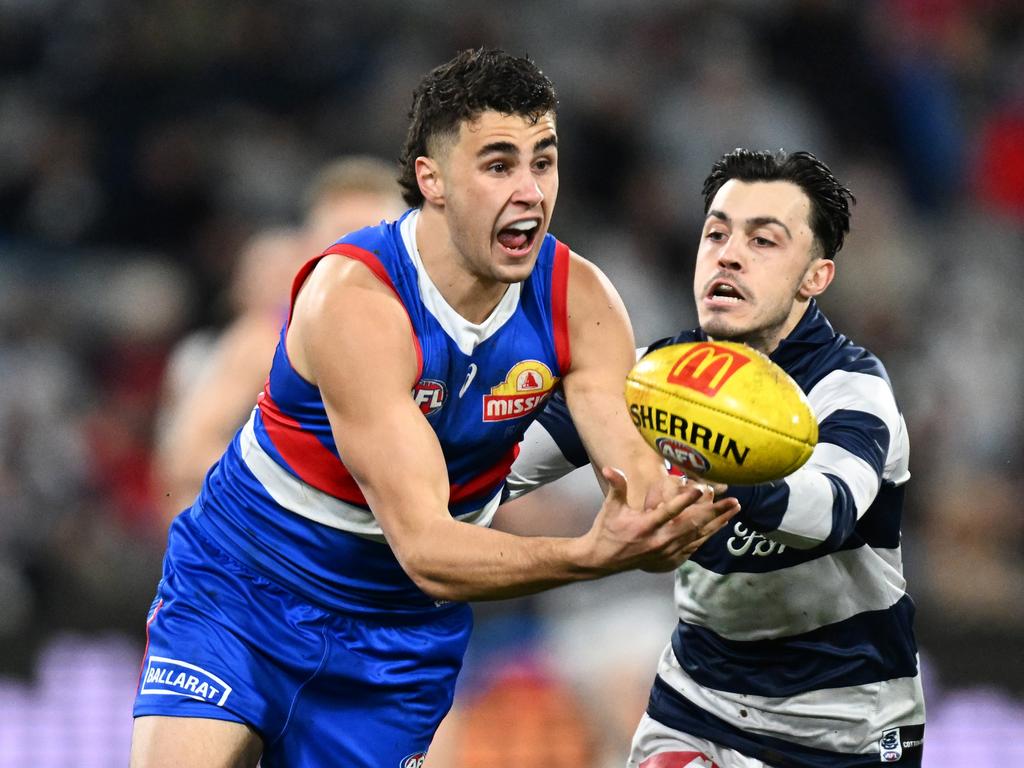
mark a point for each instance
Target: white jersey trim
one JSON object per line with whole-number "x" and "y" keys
{"x": 313, "y": 504}
{"x": 465, "y": 334}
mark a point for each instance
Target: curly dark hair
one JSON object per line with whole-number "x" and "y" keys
{"x": 473, "y": 82}
{"x": 830, "y": 200}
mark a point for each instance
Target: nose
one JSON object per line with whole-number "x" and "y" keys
{"x": 527, "y": 191}
{"x": 730, "y": 256}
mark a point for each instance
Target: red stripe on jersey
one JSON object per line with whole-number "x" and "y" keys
{"x": 376, "y": 267}
{"x": 560, "y": 307}
{"x": 306, "y": 455}
{"x": 486, "y": 480}
{"x": 316, "y": 465}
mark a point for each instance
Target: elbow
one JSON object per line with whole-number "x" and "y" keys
{"x": 430, "y": 578}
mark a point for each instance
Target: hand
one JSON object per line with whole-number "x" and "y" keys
{"x": 719, "y": 489}
{"x": 678, "y": 516}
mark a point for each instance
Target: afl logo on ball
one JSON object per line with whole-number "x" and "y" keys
{"x": 430, "y": 395}
{"x": 413, "y": 761}
{"x": 682, "y": 455}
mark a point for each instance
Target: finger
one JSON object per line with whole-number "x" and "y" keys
{"x": 683, "y": 499}
{"x": 654, "y": 496}
{"x": 700, "y": 522}
{"x": 708, "y": 511}
{"x": 726, "y": 510}
{"x": 663, "y": 490}
{"x": 718, "y": 489}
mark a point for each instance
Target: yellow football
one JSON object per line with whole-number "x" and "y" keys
{"x": 721, "y": 410}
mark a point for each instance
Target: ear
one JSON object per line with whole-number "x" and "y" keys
{"x": 817, "y": 278}
{"x": 430, "y": 180}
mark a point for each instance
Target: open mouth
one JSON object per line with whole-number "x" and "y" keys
{"x": 517, "y": 238}
{"x": 724, "y": 292}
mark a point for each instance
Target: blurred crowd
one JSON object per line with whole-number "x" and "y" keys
{"x": 147, "y": 149}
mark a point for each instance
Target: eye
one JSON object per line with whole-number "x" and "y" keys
{"x": 763, "y": 242}
{"x": 497, "y": 167}
{"x": 715, "y": 236}
{"x": 543, "y": 164}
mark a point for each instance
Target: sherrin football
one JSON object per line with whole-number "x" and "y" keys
{"x": 721, "y": 410}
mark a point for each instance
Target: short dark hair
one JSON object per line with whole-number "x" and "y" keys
{"x": 830, "y": 200}
{"x": 473, "y": 82}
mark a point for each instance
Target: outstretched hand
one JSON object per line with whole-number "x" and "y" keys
{"x": 677, "y": 517}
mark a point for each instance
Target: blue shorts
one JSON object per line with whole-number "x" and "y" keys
{"x": 321, "y": 688}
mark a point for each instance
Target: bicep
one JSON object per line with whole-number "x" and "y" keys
{"x": 357, "y": 345}
{"x": 603, "y": 353}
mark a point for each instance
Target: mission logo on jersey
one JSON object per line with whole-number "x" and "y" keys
{"x": 522, "y": 392}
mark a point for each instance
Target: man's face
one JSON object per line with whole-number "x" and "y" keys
{"x": 756, "y": 251}
{"x": 500, "y": 184}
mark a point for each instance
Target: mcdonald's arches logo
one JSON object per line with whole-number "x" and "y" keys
{"x": 705, "y": 367}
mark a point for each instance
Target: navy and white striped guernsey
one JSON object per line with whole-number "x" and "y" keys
{"x": 795, "y": 642}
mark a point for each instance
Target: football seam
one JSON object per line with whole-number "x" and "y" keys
{"x": 730, "y": 415}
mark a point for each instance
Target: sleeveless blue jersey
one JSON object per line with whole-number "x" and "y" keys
{"x": 281, "y": 499}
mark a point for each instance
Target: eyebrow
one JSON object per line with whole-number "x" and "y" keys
{"x": 508, "y": 148}
{"x": 754, "y": 223}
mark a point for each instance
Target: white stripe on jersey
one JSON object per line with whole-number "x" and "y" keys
{"x": 808, "y": 518}
{"x": 309, "y": 502}
{"x": 846, "y": 720}
{"x": 864, "y": 392}
{"x": 540, "y": 462}
{"x": 793, "y": 600}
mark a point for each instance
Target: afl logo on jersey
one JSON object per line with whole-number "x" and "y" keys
{"x": 430, "y": 395}
{"x": 523, "y": 391}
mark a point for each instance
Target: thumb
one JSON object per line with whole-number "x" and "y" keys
{"x": 616, "y": 480}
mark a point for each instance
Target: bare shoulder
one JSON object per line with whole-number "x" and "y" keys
{"x": 586, "y": 278}
{"x": 598, "y": 323}
{"x": 343, "y": 311}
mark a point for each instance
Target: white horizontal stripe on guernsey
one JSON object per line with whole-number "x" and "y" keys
{"x": 897, "y": 463}
{"x": 540, "y": 461}
{"x": 849, "y": 391}
{"x": 465, "y": 334}
{"x": 765, "y": 606}
{"x": 809, "y": 511}
{"x": 849, "y": 720}
{"x": 305, "y": 500}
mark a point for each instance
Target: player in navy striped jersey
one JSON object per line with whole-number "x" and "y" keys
{"x": 794, "y": 647}
{"x": 313, "y": 606}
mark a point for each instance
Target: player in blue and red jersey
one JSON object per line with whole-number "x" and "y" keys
{"x": 313, "y": 606}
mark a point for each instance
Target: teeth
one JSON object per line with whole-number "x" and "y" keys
{"x": 523, "y": 226}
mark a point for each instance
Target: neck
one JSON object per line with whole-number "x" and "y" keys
{"x": 472, "y": 295}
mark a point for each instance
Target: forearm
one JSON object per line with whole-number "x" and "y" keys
{"x": 450, "y": 560}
